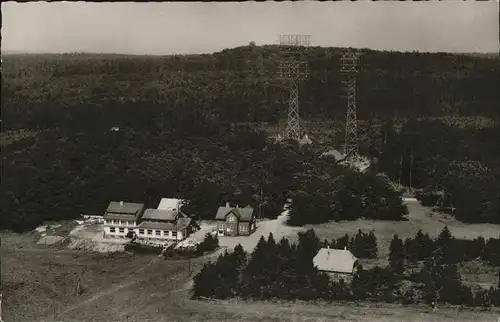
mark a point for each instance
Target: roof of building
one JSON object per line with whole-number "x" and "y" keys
{"x": 335, "y": 260}
{"x": 243, "y": 214}
{"x": 159, "y": 214}
{"x": 169, "y": 203}
{"x": 124, "y": 210}
{"x": 181, "y": 224}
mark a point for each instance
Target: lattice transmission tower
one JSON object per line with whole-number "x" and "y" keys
{"x": 349, "y": 67}
{"x": 293, "y": 68}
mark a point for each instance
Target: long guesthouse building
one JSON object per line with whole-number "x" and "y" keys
{"x": 336, "y": 263}
{"x": 122, "y": 217}
{"x": 235, "y": 221}
{"x": 159, "y": 224}
{"x": 167, "y": 223}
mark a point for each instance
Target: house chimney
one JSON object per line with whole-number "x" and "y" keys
{"x": 227, "y": 204}
{"x": 345, "y": 248}
{"x": 328, "y": 246}
{"x": 121, "y": 203}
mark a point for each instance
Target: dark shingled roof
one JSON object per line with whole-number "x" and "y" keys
{"x": 125, "y": 211}
{"x": 159, "y": 214}
{"x": 243, "y": 214}
{"x": 182, "y": 224}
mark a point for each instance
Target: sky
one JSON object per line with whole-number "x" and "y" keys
{"x": 195, "y": 27}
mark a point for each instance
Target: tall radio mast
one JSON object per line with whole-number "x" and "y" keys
{"x": 349, "y": 67}
{"x": 293, "y": 68}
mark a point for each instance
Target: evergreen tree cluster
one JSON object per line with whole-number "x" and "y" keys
{"x": 362, "y": 245}
{"x": 340, "y": 194}
{"x": 280, "y": 270}
{"x": 456, "y": 165}
{"x": 273, "y": 270}
{"x": 452, "y": 250}
{"x": 209, "y": 243}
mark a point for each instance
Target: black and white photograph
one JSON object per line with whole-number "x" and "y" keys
{"x": 250, "y": 161}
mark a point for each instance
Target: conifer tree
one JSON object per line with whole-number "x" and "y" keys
{"x": 411, "y": 250}
{"x": 397, "y": 254}
{"x": 204, "y": 281}
{"x": 356, "y": 245}
{"x": 308, "y": 246}
{"x": 371, "y": 245}
{"x": 342, "y": 242}
{"x": 255, "y": 273}
{"x": 427, "y": 247}
{"x": 444, "y": 238}
{"x": 419, "y": 246}
{"x": 445, "y": 243}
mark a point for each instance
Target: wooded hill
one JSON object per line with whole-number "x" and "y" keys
{"x": 179, "y": 135}
{"x": 238, "y": 85}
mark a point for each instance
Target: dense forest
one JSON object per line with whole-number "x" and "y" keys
{"x": 182, "y": 129}
{"x": 285, "y": 271}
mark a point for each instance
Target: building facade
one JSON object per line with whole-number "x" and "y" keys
{"x": 165, "y": 225}
{"x": 235, "y": 221}
{"x": 121, "y": 218}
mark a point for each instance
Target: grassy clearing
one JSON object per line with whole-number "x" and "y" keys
{"x": 419, "y": 218}
{"x": 39, "y": 281}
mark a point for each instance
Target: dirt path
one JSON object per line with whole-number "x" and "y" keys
{"x": 195, "y": 262}
{"x": 111, "y": 290}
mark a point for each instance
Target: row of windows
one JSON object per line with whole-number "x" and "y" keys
{"x": 148, "y": 232}
{"x": 113, "y": 230}
{"x": 119, "y": 222}
{"x": 230, "y": 227}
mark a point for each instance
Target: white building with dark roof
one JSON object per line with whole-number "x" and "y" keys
{"x": 162, "y": 224}
{"x": 337, "y": 263}
{"x": 122, "y": 217}
{"x": 159, "y": 224}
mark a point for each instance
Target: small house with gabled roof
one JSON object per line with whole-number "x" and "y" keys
{"x": 235, "y": 221}
{"x": 336, "y": 263}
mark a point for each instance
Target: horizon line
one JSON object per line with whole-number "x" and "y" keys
{"x": 19, "y": 52}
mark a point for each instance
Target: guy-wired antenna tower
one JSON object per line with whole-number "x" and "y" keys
{"x": 293, "y": 68}
{"x": 349, "y": 67}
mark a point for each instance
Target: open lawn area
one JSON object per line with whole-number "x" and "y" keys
{"x": 419, "y": 217}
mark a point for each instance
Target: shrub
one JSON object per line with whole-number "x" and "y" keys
{"x": 209, "y": 243}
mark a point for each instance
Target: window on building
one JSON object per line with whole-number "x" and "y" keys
{"x": 174, "y": 234}
{"x": 157, "y": 232}
{"x": 221, "y": 226}
{"x": 165, "y": 233}
{"x": 243, "y": 227}
{"x": 112, "y": 229}
{"x": 121, "y": 230}
{"x": 141, "y": 231}
{"x": 150, "y": 232}
{"x": 230, "y": 218}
